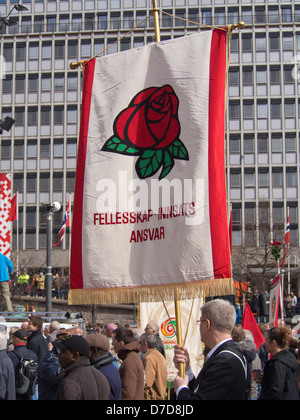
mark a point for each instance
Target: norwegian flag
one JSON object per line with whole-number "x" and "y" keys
{"x": 286, "y": 239}
{"x": 65, "y": 223}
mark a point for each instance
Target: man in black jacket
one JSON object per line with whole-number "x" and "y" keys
{"x": 36, "y": 341}
{"x": 223, "y": 377}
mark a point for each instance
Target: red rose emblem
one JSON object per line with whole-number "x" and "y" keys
{"x": 149, "y": 127}
{"x": 151, "y": 119}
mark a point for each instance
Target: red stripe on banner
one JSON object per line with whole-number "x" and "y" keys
{"x": 216, "y": 160}
{"x": 76, "y": 277}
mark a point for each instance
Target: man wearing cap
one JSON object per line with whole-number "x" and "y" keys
{"x": 81, "y": 381}
{"x": 19, "y": 341}
{"x": 103, "y": 360}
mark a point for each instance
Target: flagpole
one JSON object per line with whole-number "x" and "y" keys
{"x": 181, "y": 366}
{"x": 156, "y": 20}
{"x": 288, "y": 250}
{"x": 70, "y": 227}
{"x": 17, "y": 210}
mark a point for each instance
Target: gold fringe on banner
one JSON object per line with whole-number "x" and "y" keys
{"x": 119, "y": 295}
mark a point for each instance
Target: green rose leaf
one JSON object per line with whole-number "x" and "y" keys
{"x": 178, "y": 150}
{"x": 167, "y": 165}
{"x": 149, "y": 163}
{"x": 113, "y": 144}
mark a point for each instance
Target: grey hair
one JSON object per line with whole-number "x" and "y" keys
{"x": 55, "y": 325}
{"x": 148, "y": 338}
{"x": 221, "y": 314}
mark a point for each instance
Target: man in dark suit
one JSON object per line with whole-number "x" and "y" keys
{"x": 223, "y": 377}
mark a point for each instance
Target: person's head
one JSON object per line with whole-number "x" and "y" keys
{"x": 238, "y": 333}
{"x": 147, "y": 341}
{"x": 277, "y": 339}
{"x": 54, "y": 326}
{"x": 99, "y": 345}
{"x": 217, "y": 321}
{"x": 121, "y": 337}
{"x": 35, "y": 323}
{"x": 24, "y": 325}
{"x": 152, "y": 327}
{"x": 110, "y": 328}
{"x": 19, "y": 337}
{"x": 71, "y": 349}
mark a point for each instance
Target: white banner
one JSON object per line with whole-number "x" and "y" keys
{"x": 275, "y": 294}
{"x": 189, "y": 310}
{"x": 150, "y": 212}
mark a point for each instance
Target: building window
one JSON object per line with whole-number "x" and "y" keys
{"x": 247, "y": 43}
{"x": 59, "y": 50}
{"x": 33, "y": 51}
{"x": 291, "y": 177}
{"x": 234, "y": 110}
{"x": 33, "y": 83}
{"x": 32, "y": 116}
{"x": 46, "y": 51}
{"x": 277, "y": 177}
{"x": 51, "y": 23}
{"x": 276, "y": 108}
{"x": 263, "y": 177}
{"x": 45, "y": 115}
{"x": 286, "y": 14}
{"x": 274, "y": 42}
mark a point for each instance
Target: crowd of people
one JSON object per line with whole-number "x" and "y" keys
{"x": 35, "y": 285}
{"x": 115, "y": 362}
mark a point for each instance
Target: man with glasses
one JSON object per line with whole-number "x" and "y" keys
{"x": 223, "y": 377}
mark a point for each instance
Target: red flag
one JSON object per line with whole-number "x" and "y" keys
{"x": 13, "y": 214}
{"x": 249, "y": 323}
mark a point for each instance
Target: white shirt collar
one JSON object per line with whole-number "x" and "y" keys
{"x": 217, "y": 346}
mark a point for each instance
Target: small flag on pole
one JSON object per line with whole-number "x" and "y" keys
{"x": 65, "y": 223}
{"x": 13, "y": 214}
{"x": 286, "y": 239}
{"x": 249, "y": 323}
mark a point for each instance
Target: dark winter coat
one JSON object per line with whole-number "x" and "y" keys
{"x": 131, "y": 372}
{"x": 280, "y": 379}
{"x": 105, "y": 364}
{"x": 38, "y": 344}
{"x": 49, "y": 376}
{"x": 83, "y": 382}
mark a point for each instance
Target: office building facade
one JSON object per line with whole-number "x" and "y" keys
{"x": 43, "y": 95}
